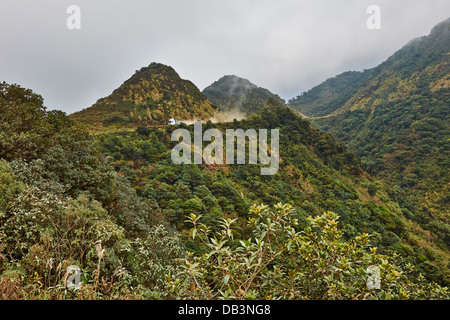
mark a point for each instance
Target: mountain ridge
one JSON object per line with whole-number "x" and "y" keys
{"x": 316, "y": 102}
{"x": 150, "y": 96}
{"x": 395, "y": 118}
{"x": 232, "y": 93}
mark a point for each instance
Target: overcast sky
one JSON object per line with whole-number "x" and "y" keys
{"x": 286, "y": 46}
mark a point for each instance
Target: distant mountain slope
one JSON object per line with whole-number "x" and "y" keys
{"x": 330, "y": 95}
{"x": 153, "y": 95}
{"x": 420, "y": 67}
{"x": 396, "y": 118}
{"x": 232, "y": 93}
{"x": 62, "y": 203}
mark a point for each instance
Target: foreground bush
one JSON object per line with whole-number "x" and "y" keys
{"x": 278, "y": 262}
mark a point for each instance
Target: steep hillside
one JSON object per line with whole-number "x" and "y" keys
{"x": 329, "y": 96}
{"x": 66, "y": 205}
{"x": 153, "y": 95}
{"x": 234, "y": 94}
{"x": 396, "y": 118}
{"x": 316, "y": 174}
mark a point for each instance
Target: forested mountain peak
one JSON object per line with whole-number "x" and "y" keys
{"x": 441, "y": 29}
{"x": 153, "y": 95}
{"x": 420, "y": 67}
{"x": 232, "y": 93}
{"x": 232, "y": 83}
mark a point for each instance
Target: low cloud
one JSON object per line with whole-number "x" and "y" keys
{"x": 219, "y": 117}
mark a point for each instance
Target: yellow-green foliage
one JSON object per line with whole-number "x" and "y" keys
{"x": 153, "y": 95}
{"x": 279, "y": 262}
{"x": 10, "y": 187}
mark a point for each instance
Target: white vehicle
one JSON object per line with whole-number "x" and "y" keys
{"x": 173, "y": 122}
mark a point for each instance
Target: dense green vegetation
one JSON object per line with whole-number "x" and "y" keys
{"x": 329, "y": 96}
{"x": 153, "y": 95}
{"x": 98, "y": 189}
{"x": 117, "y": 207}
{"x": 234, "y": 94}
{"x": 395, "y": 117}
{"x": 316, "y": 175}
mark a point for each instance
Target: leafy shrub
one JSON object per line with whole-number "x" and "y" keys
{"x": 278, "y": 262}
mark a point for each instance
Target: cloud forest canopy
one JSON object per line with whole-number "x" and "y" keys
{"x": 396, "y": 118}
{"x": 232, "y": 93}
{"x": 98, "y": 190}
